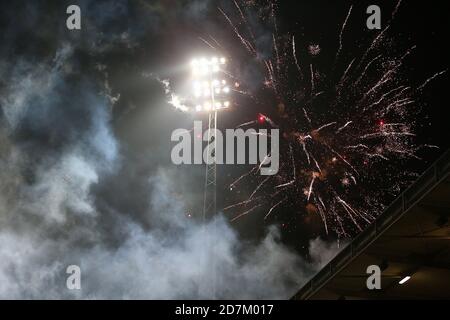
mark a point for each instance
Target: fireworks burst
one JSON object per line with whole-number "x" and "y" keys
{"x": 345, "y": 130}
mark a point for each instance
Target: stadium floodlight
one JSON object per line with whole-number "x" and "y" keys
{"x": 210, "y": 94}
{"x": 209, "y": 91}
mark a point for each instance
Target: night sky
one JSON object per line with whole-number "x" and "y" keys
{"x": 85, "y": 171}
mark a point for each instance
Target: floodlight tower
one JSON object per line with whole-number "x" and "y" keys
{"x": 210, "y": 94}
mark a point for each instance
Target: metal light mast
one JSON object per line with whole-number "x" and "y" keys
{"x": 210, "y": 95}
{"x": 210, "y": 190}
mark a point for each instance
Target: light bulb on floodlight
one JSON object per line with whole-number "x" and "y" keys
{"x": 204, "y": 88}
{"x": 404, "y": 279}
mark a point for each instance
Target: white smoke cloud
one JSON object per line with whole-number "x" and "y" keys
{"x": 64, "y": 186}
{"x": 184, "y": 261}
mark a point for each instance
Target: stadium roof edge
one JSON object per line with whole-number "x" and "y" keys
{"x": 430, "y": 178}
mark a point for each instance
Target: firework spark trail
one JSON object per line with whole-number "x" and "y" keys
{"x": 294, "y": 174}
{"x": 270, "y": 121}
{"x": 385, "y": 133}
{"x": 285, "y": 184}
{"x": 274, "y": 17}
{"x": 344, "y": 126}
{"x": 407, "y": 53}
{"x": 350, "y": 212}
{"x": 342, "y": 158}
{"x": 242, "y": 177}
{"x": 207, "y": 43}
{"x": 272, "y": 77}
{"x": 325, "y": 126}
{"x": 383, "y": 97}
{"x": 263, "y": 162}
{"x": 407, "y": 152}
{"x": 341, "y": 35}
{"x": 259, "y": 186}
{"x": 355, "y": 213}
{"x": 246, "y": 212}
{"x": 431, "y": 79}
{"x": 381, "y": 34}
{"x": 244, "y": 20}
{"x": 366, "y": 68}
{"x": 245, "y": 202}
{"x": 236, "y": 31}
{"x": 311, "y": 185}
{"x": 271, "y": 82}
{"x": 406, "y": 88}
{"x": 294, "y": 54}
{"x": 215, "y": 41}
{"x": 375, "y": 155}
{"x": 306, "y": 152}
{"x": 277, "y": 54}
{"x": 344, "y": 76}
{"x": 321, "y": 202}
{"x": 230, "y": 75}
{"x": 360, "y": 145}
{"x": 388, "y": 75}
{"x": 393, "y": 124}
{"x": 292, "y": 161}
{"x": 316, "y": 95}
{"x": 274, "y": 206}
{"x": 385, "y": 78}
{"x": 306, "y": 116}
{"x": 240, "y": 11}
{"x": 397, "y": 104}
{"x": 322, "y": 216}
{"x": 246, "y": 124}
{"x": 317, "y": 164}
